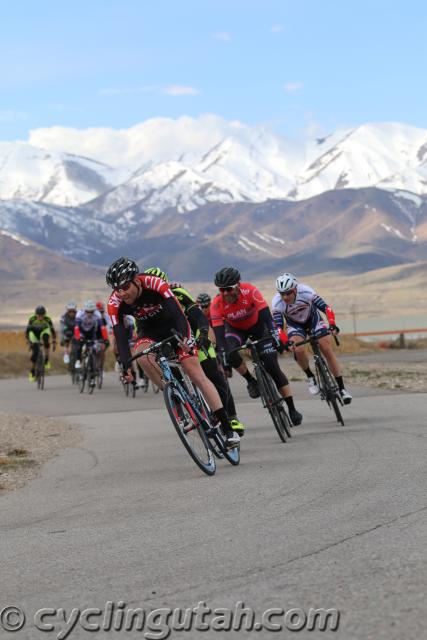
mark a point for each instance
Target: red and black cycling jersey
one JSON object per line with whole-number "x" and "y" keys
{"x": 241, "y": 314}
{"x": 155, "y": 307}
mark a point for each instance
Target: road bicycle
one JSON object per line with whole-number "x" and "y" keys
{"x": 270, "y": 397}
{"x": 188, "y": 411}
{"x": 328, "y": 387}
{"x": 39, "y": 369}
{"x": 91, "y": 373}
{"x": 74, "y": 373}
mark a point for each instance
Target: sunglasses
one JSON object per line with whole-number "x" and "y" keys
{"x": 124, "y": 287}
{"x": 287, "y": 293}
{"x": 205, "y": 306}
{"x": 227, "y": 289}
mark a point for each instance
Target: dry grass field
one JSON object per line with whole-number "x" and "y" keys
{"x": 15, "y": 356}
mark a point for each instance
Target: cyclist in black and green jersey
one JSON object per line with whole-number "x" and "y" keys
{"x": 39, "y": 329}
{"x": 207, "y": 354}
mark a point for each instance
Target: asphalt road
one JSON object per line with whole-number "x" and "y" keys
{"x": 334, "y": 519}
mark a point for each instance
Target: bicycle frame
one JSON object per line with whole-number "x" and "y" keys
{"x": 168, "y": 376}
{"x": 270, "y": 397}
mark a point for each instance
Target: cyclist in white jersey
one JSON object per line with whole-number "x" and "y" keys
{"x": 300, "y": 306}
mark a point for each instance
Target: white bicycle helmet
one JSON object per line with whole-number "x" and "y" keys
{"x": 89, "y": 305}
{"x": 286, "y": 282}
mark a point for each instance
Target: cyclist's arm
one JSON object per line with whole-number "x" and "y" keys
{"x": 266, "y": 317}
{"x": 198, "y": 319}
{"x": 219, "y": 331}
{"x": 181, "y": 323}
{"x": 325, "y": 308}
{"x": 52, "y": 328}
{"x": 122, "y": 344}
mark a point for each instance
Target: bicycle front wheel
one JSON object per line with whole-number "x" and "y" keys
{"x": 330, "y": 389}
{"x": 189, "y": 430}
{"x": 40, "y": 379}
{"x": 274, "y": 404}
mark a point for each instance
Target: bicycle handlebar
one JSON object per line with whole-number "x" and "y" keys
{"x": 155, "y": 347}
{"x": 311, "y": 338}
{"x": 250, "y": 343}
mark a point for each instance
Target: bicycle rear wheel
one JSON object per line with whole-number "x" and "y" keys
{"x": 189, "y": 430}
{"x": 329, "y": 387}
{"x": 274, "y": 404}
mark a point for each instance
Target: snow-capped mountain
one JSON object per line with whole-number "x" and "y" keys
{"x": 33, "y": 174}
{"x": 387, "y": 156}
{"x": 248, "y": 165}
{"x": 357, "y": 197}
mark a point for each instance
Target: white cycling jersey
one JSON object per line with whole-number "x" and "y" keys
{"x": 299, "y": 311}
{"x": 88, "y": 321}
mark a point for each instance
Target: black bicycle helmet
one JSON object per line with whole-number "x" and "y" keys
{"x": 121, "y": 271}
{"x": 40, "y": 310}
{"x": 227, "y": 277}
{"x": 203, "y": 299}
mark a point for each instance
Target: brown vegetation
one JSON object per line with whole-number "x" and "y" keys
{"x": 15, "y": 356}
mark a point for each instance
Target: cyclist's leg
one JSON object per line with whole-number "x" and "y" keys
{"x": 269, "y": 358}
{"x": 34, "y": 346}
{"x": 148, "y": 363}
{"x": 211, "y": 371}
{"x": 325, "y": 345}
{"x": 45, "y": 335}
{"x": 65, "y": 344}
{"x": 233, "y": 340}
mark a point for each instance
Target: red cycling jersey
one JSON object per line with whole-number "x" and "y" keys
{"x": 242, "y": 314}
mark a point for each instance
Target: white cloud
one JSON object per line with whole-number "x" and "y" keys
{"x": 10, "y": 115}
{"x": 153, "y": 140}
{"x": 293, "y": 86}
{"x": 178, "y": 90}
{"x": 222, "y": 35}
{"x": 277, "y": 28}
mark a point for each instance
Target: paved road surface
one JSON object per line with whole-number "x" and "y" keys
{"x": 335, "y": 518}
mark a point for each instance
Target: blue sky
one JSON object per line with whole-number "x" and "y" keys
{"x": 300, "y": 67}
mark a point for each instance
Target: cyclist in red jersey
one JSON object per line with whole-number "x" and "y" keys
{"x": 239, "y": 311}
{"x": 204, "y": 301}
{"x": 150, "y": 300}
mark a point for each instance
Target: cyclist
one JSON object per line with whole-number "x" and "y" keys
{"x": 207, "y": 354}
{"x": 89, "y": 327}
{"x": 300, "y": 305}
{"x": 204, "y": 301}
{"x": 150, "y": 300}
{"x": 239, "y": 312}
{"x": 100, "y": 307}
{"x": 39, "y": 329}
{"x": 66, "y": 329}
